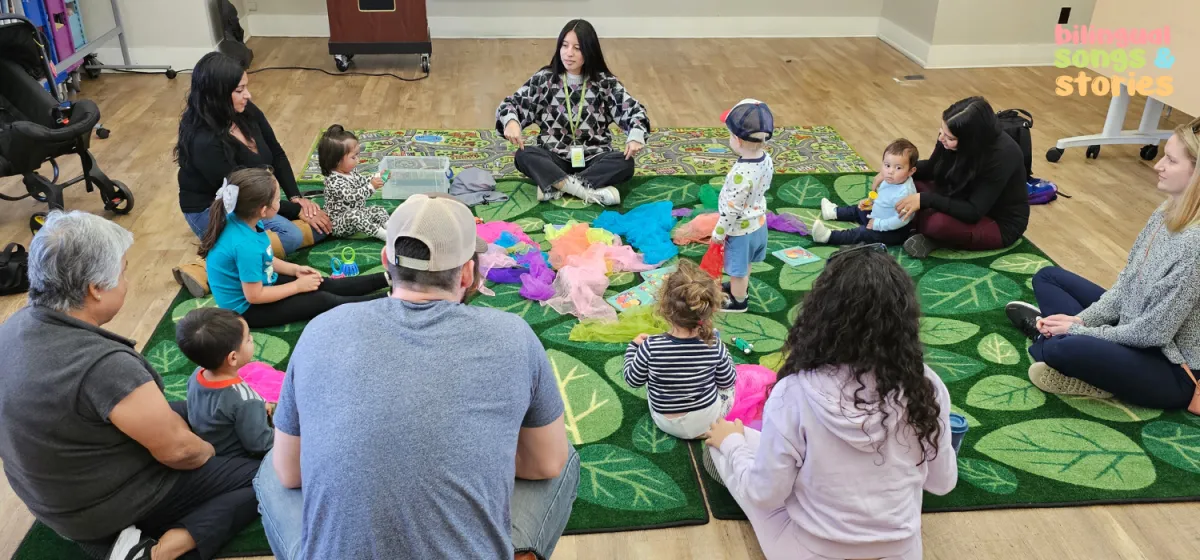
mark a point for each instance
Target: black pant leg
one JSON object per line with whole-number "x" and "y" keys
{"x": 352, "y": 286}
{"x": 543, "y": 167}
{"x": 863, "y": 235}
{"x": 606, "y": 170}
{"x": 213, "y": 503}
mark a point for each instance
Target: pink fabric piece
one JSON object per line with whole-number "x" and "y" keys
{"x": 750, "y": 392}
{"x": 786, "y": 223}
{"x": 495, "y": 257}
{"x": 580, "y": 284}
{"x": 264, "y": 379}
{"x": 624, "y": 259}
{"x": 699, "y": 230}
{"x": 491, "y": 231}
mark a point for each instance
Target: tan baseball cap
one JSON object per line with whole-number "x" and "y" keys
{"x": 443, "y": 224}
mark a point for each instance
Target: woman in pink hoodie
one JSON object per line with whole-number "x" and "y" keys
{"x": 855, "y": 429}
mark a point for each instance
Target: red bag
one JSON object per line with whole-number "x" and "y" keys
{"x": 714, "y": 260}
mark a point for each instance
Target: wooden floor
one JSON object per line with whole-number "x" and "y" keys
{"x": 846, "y": 83}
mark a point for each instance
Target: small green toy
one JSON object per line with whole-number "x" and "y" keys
{"x": 743, "y": 345}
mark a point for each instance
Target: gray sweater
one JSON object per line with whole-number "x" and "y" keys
{"x": 1155, "y": 302}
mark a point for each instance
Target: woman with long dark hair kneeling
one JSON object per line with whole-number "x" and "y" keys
{"x": 855, "y": 429}
{"x": 243, "y": 272}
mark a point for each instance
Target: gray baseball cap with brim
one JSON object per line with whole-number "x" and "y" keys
{"x": 443, "y": 224}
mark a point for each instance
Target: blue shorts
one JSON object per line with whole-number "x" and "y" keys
{"x": 741, "y": 250}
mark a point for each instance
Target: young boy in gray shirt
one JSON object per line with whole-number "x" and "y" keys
{"x": 222, "y": 409}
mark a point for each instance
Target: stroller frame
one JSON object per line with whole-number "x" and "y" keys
{"x": 45, "y": 126}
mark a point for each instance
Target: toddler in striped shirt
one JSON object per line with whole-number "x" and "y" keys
{"x": 688, "y": 374}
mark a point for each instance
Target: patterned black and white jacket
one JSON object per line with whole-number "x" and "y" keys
{"x": 542, "y": 101}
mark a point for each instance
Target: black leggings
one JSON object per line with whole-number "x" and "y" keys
{"x": 303, "y": 307}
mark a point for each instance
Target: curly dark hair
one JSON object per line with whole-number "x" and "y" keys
{"x": 863, "y": 313}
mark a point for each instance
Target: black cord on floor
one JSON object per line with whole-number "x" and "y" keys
{"x": 264, "y": 69}
{"x": 327, "y": 72}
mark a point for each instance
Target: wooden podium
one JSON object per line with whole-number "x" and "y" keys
{"x": 378, "y": 27}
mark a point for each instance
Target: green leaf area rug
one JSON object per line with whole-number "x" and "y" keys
{"x": 1024, "y": 448}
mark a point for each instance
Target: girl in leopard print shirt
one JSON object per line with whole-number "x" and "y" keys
{"x": 346, "y": 192}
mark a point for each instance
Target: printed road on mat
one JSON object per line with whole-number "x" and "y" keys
{"x": 669, "y": 151}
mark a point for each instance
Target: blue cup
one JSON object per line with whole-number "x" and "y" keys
{"x": 958, "y": 429}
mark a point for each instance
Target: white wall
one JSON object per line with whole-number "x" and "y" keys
{"x": 613, "y": 18}
{"x": 974, "y": 33}
{"x": 908, "y": 26}
{"x": 171, "y": 32}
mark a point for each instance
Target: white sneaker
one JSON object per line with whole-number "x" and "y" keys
{"x": 131, "y": 546}
{"x": 546, "y": 196}
{"x": 821, "y": 232}
{"x": 828, "y": 210}
{"x": 607, "y": 196}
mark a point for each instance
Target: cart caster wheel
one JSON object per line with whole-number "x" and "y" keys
{"x": 90, "y": 67}
{"x": 102, "y": 132}
{"x": 425, "y": 63}
{"x": 1149, "y": 152}
{"x": 171, "y": 73}
{"x": 342, "y": 62}
{"x": 36, "y": 221}
{"x": 1053, "y": 155}
{"x": 122, "y": 201}
{"x": 1093, "y": 152}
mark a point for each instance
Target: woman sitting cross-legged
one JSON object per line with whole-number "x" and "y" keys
{"x": 855, "y": 429}
{"x": 574, "y": 100}
{"x": 243, "y": 272}
{"x": 1136, "y": 340}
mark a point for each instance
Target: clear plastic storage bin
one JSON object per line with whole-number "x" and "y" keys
{"x": 409, "y": 175}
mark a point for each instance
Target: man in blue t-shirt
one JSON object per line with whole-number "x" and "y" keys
{"x": 442, "y": 438}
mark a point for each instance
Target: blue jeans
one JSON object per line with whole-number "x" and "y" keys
{"x": 540, "y": 509}
{"x": 290, "y": 235}
{"x": 1140, "y": 376}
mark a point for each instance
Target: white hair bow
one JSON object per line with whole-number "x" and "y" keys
{"x": 228, "y": 193}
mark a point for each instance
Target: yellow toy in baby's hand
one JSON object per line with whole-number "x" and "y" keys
{"x": 870, "y": 201}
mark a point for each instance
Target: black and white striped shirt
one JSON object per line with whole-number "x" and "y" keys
{"x": 681, "y": 374}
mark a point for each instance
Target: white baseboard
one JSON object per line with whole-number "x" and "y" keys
{"x": 901, "y": 39}
{"x": 990, "y": 56}
{"x": 179, "y": 58}
{"x": 317, "y": 25}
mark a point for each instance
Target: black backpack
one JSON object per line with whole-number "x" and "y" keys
{"x": 14, "y": 272}
{"x": 1016, "y": 123}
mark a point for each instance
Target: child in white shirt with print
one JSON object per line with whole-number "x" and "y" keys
{"x": 742, "y": 226}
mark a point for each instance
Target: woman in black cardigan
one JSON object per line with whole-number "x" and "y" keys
{"x": 221, "y": 130}
{"x": 971, "y": 192}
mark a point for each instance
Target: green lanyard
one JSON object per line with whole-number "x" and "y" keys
{"x": 573, "y": 120}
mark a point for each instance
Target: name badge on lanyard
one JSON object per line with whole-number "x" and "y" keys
{"x": 574, "y": 118}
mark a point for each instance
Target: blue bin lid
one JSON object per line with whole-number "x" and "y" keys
{"x": 958, "y": 423}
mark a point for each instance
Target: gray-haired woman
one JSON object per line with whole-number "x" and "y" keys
{"x": 88, "y": 440}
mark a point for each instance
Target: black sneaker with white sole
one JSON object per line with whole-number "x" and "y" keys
{"x": 919, "y": 246}
{"x": 131, "y": 545}
{"x": 734, "y": 306}
{"x": 1024, "y": 317}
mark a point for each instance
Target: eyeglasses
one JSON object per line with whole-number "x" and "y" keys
{"x": 874, "y": 247}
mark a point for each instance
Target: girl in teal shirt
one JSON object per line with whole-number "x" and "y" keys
{"x": 247, "y": 278}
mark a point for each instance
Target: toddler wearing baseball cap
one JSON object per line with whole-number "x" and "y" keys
{"x": 742, "y": 226}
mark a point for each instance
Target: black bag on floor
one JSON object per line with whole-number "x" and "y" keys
{"x": 14, "y": 270}
{"x": 1016, "y": 123}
